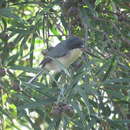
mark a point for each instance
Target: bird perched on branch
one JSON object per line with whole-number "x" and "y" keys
{"x": 66, "y": 52}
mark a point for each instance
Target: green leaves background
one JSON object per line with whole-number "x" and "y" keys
{"x": 96, "y": 92}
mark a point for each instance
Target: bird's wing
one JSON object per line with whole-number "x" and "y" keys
{"x": 43, "y": 63}
{"x": 58, "y": 51}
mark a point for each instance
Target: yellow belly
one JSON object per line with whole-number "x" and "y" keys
{"x": 67, "y": 60}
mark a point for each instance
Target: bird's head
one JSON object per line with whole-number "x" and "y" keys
{"x": 74, "y": 43}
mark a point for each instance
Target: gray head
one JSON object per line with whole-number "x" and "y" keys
{"x": 74, "y": 42}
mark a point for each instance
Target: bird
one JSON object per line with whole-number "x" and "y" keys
{"x": 66, "y": 53}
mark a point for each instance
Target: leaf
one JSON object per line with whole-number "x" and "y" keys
{"x": 120, "y": 121}
{"x": 37, "y": 104}
{"x": 25, "y": 68}
{"x": 116, "y": 80}
{"x": 32, "y": 50}
{"x": 115, "y": 94}
{"x": 55, "y": 31}
{"x": 98, "y": 2}
{"x": 20, "y": 31}
{"x": 7, "y": 12}
{"x": 12, "y": 59}
{"x": 3, "y": 112}
{"x": 109, "y": 68}
{"x": 85, "y": 99}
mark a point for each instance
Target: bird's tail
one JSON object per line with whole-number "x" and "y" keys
{"x": 35, "y": 77}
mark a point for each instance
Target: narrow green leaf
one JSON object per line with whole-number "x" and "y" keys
{"x": 7, "y": 12}
{"x": 37, "y": 104}
{"x": 98, "y": 2}
{"x": 25, "y": 68}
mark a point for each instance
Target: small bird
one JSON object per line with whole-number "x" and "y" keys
{"x": 66, "y": 52}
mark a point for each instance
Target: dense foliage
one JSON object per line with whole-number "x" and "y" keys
{"x": 93, "y": 94}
